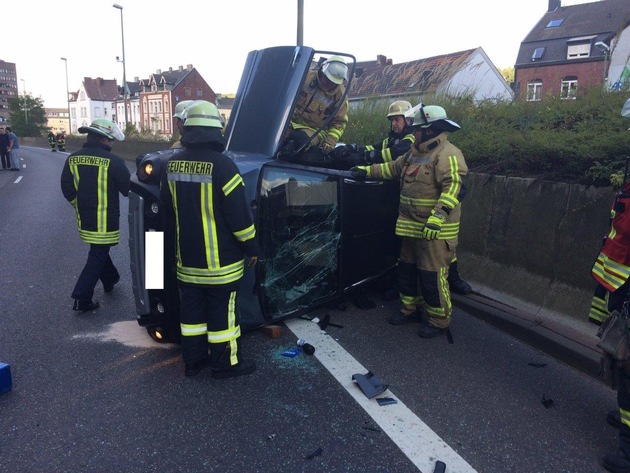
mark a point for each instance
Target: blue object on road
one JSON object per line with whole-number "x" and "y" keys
{"x": 5, "y": 378}
{"x": 291, "y": 352}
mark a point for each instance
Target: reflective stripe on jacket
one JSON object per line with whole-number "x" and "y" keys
{"x": 430, "y": 178}
{"x": 91, "y": 180}
{"x": 214, "y": 227}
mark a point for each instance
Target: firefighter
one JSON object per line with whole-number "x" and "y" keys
{"x": 61, "y": 140}
{"x": 611, "y": 271}
{"x": 91, "y": 180}
{"x": 430, "y": 177}
{"x": 206, "y": 206}
{"x": 52, "y": 141}
{"x": 179, "y": 122}
{"x": 322, "y": 95}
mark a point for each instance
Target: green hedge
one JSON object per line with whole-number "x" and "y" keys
{"x": 580, "y": 141}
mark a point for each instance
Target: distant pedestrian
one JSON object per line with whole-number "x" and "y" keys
{"x": 91, "y": 180}
{"x": 61, "y": 140}
{"x": 14, "y": 150}
{"x": 4, "y": 154}
{"x": 52, "y": 141}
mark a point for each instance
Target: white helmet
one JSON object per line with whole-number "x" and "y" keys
{"x": 180, "y": 107}
{"x": 426, "y": 115}
{"x": 335, "y": 69}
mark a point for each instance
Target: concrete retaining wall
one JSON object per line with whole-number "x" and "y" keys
{"x": 533, "y": 242}
{"x": 525, "y": 242}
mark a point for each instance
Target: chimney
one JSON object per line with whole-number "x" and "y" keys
{"x": 181, "y": 68}
{"x": 159, "y": 71}
{"x": 170, "y": 69}
{"x": 553, "y": 5}
{"x": 381, "y": 60}
{"x": 189, "y": 67}
{"x": 136, "y": 79}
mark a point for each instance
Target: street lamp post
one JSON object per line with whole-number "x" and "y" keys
{"x": 67, "y": 96}
{"x": 25, "y": 108}
{"x": 605, "y": 49}
{"x": 122, "y": 32}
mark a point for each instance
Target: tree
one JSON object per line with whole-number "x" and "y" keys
{"x": 27, "y": 116}
{"x": 508, "y": 74}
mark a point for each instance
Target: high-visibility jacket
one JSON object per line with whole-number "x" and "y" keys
{"x": 430, "y": 179}
{"x": 612, "y": 267}
{"x": 315, "y": 106}
{"x": 395, "y": 145}
{"x": 205, "y": 195}
{"x": 91, "y": 180}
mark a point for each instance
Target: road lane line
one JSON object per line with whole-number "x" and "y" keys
{"x": 417, "y": 441}
{"x": 17, "y": 180}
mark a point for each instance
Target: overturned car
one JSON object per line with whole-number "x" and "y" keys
{"x": 322, "y": 233}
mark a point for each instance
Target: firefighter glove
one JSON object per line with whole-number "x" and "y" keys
{"x": 433, "y": 227}
{"x": 327, "y": 148}
{"x": 358, "y": 172}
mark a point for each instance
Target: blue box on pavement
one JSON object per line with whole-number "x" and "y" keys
{"x": 5, "y": 378}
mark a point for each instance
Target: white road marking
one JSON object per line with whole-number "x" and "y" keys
{"x": 17, "y": 180}
{"x": 421, "y": 445}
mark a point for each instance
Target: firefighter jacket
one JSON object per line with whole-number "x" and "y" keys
{"x": 204, "y": 195}
{"x": 612, "y": 267}
{"x": 395, "y": 145}
{"x": 51, "y": 138}
{"x": 315, "y": 106}
{"x": 430, "y": 179}
{"x": 91, "y": 180}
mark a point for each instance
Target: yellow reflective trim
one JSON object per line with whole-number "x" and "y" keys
{"x": 417, "y": 201}
{"x": 193, "y": 330}
{"x": 246, "y": 234}
{"x": 232, "y": 184}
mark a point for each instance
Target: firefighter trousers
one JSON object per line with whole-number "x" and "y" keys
{"x": 99, "y": 265}
{"x": 422, "y": 278}
{"x": 209, "y": 315}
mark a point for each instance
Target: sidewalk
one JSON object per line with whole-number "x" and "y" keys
{"x": 571, "y": 342}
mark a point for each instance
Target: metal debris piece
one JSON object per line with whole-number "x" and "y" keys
{"x": 547, "y": 402}
{"x": 314, "y": 453}
{"x": 537, "y": 365}
{"x": 370, "y": 384}
{"x": 440, "y": 467}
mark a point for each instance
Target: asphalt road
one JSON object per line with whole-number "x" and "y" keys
{"x": 93, "y": 393}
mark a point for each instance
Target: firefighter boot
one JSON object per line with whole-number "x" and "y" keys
{"x": 430, "y": 331}
{"x": 455, "y": 282}
{"x": 221, "y": 361}
{"x": 614, "y": 418}
{"x": 619, "y": 461}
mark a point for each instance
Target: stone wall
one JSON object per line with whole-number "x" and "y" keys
{"x": 533, "y": 241}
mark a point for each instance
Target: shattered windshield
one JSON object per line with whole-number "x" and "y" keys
{"x": 299, "y": 232}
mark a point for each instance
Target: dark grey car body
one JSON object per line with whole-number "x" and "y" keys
{"x": 322, "y": 233}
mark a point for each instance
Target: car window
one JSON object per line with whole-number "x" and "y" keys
{"x": 298, "y": 225}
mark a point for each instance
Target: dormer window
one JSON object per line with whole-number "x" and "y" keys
{"x": 555, "y": 23}
{"x": 578, "y": 48}
{"x": 538, "y": 53}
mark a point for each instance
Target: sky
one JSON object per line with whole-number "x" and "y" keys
{"x": 215, "y": 36}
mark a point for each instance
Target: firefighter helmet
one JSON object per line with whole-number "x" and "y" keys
{"x": 427, "y": 115}
{"x": 180, "y": 107}
{"x": 399, "y": 107}
{"x": 104, "y": 127}
{"x": 335, "y": 69}
{"x": 202, "y": 113}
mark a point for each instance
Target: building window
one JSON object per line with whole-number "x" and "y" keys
{"x": 538, "y": 52}
{"x": 97, "y": 112}
{"x": 578, "y": 50}
{"x": 534, "y": 90}
{"x": 555, "y": 23}
{"x": 199, "y": 93}
{"x": 568, "y": 88}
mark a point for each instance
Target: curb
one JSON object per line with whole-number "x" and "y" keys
{"x": 573, "y": 347}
